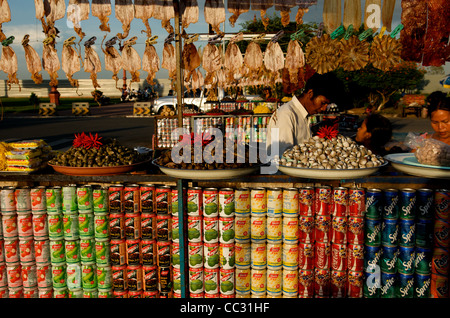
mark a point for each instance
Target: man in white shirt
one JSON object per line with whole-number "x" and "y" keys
{"x": 291, "y": 118}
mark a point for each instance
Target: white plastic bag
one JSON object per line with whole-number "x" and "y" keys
{"x": 429, "y": 151}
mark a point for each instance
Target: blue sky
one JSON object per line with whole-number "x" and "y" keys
{"x": 23, "y": 22}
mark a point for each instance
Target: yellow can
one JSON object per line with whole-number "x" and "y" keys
{"x": 239, "y": 294}
{"x": 274, "y": 202}
{"x": 274, "y": 255}
{"x": 242, "y": 201}
{"x": 258, "y": 255}
{"x": 258, "y": 201}
{"x": 242, "y": 276}
{"x": 274, "y": 228}
{"x": 290, "y": 256}
{"x": 258, "y": 225}
{"x": 242, "y": 227}
{"x": 290, "y": 229}
{"x": 274, "y": 281}
{"x": 290, "y": 202}
{"x": 258, "y": 280}
{"x": 290, "y": 282}
{"x": 242, "y": 254}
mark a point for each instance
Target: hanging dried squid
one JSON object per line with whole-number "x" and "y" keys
{"x": 113, "y": 59}
{"x": 92, "y": 63}
{"x": 131, "y": 59}
{"x": 8, "y": 62}
{"x": 50, "y": 60}
{"x": 33, "y": 60}
{"x": 102, "y": 10}
{"x": 150, "y": 60}
{"x": 70, "y": 60}
{"x": 124, "y": 11}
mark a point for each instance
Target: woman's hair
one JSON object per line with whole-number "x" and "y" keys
{"x": 437, "y": 100}
{"x": 381, "y": 129}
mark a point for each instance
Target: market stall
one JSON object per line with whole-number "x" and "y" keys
{"x": 101, "y": 220}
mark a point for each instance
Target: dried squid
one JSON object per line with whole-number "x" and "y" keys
{"x": 352, "y": 14}
{"x": 331, "y": 14}
{"x": 102, "y": 10}
{"x": 189, "y": 8}
{"x": 237, "y": 7}
{"x": 234, "y": 61}
{"x": 190, "y": 59}
{"x": 70, "y": 60}
{"x": 263, "y": 6}
{"x": 143, "y": 9}
{"x": 124, "y": 11}
{"x": 150, "y": 60}
{"x": 9, "y": 64}
{"x": 77, "y": 11}
{"x": 5, "y": 16}
{"x": 164, "y": 11}
{"x": 33, "y": 60}
{"x": 214, "y": 13}
{"x": 50, "y": 60}
{"x": 295, "y": 60}
{"x": 92, "y": 62}
{"x": 131, "y": 59}
{"x": 113, "y": 60}
{"x": 169, "y": 59}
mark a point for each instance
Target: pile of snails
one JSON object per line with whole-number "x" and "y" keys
{"x": 340, "y": 152}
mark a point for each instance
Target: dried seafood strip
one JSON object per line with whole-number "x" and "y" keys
{"x": 102, "y": 10}
{"x": 33, "y": 60}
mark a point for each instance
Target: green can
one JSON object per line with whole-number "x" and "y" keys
{"x": 408, "y": 204}
{"x": 372, "y": 284}
{"x": 101, "y": 225}
{"x": 87, "y": 250}
{"x": 374, "y": 203}
{"x": 57, "y": 251}
{"x": 105, "y": 293}
{"x": 88, "y": 275}
{"x": 86, "y": 224}
{"x": 72, "y": 248}
{"x": 61, "y": 292}
{"x": 405, "y": 260}
{"x": 59, "y": 276}
{"x": 90, "y": 293}
{"x": 388, "y": 282}
{"x": 55, "y": 225}
{"x": 70, "y": 226}
{"x": 388, "y": 259}
{"x": 74, "y": 276}
{"x": 372, "y": 232}
{"x": 53, "y": 199}
{"x": 69, "y": 199}
{"x": 102, "y": 251}
{"x": 405, "y": 286}
{"x": 422, "y": 285}
{"x": 100, "y": 199}
{"x": 422, "y": 261}
{"x": 84, "y": 198}
{"x": 104, "y": 276}
{"x": 75, "y": 293}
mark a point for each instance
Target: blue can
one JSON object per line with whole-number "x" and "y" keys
{"x": 424, "y": 232}
{"x": 372, "y": 255}
{"x": 422, "y": 261}
{"x": 372, "y": 284}
{"x": 374, "y": 203}
{"x": 407, "y": 233}
{"x": 388, "y": 259}
{"x": 407, "y": 204}
{"x": 372, "y": 232}
{"x": 405, "y": 286}
{"x": 389, "y": 232}
{"x": 405, "y": 261}
{"x": 422, "y": 285}
{"x": 391, "y": 205}
{"x": 425, "y": 204}
{"x": 388, "y": 283}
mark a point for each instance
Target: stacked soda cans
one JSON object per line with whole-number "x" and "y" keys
{"x": 440, "y": 257}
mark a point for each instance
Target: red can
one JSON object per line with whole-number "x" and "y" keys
{"x": 322, "y": 283}
{"x": 442, "y": 204}
{"x": 323, "y": 200}
{"x": 355, "y": 233}
{"x": 147, "y": 193}
{"x": 340, "y": 201}
{"x": 322, "y": 228}
{"x": 306, "y": 229}
{"x": 115, "y": 194}
{"x": 162, "y": 199}
{"x": 339, "y": 284}
{"x": 38, "y": 199}
{"x": 306, "y": 283}
{"x": 356, "y": 201}
{"x": 355, "y": 284}
{"x": 322, "y": 255}
{"x": 339, "y": 257}
{"x": 439, "y": 286}
{"x": 355, "y": 257}
{"x": 117, "y": 226}
{"x": 306, "y": 201}
{"x": 306, "y": 256}
{"x": 131, "y": 199}
{"x": 339, "y": 228}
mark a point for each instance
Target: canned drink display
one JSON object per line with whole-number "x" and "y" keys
{"x": 8, "y": 200}
{"x": 405, "y": 286}
{"x": 275, "y": 255}
{"x": 86, "y": 225}
{"x": 355, "y": 233}
{"x": 131, "y": 199}
{"x": 150, "y": 277}
{"x": 274, "y": 202}
{"x": 87, "y": 249}
{"x": 133, "y": 252}
{"x": 442, "y": 204}
{"x": 405, "y": 261}
{"x": 194, "y": 201}
{"x": 102, "y": 251}
{"x": 84, "y": 198}
{"x": 146, "y": 195}
{"x": 134, "y": 277}
{"x": 355, "y": 284}
{"x": 211, "y": 254}
{"x": 226, "y": 230}
{"x": 59, "y": 275}
{"x": 290, "y": 232}
{"x": 119, "y": 278}
{"x": 340, "y": 201}
{"x": 243, "y": 279}
{"x": 118, "y": 252}
{"x": 258, "y": 201}
{"x": 425, "y": 203}
{"x": 71, "y": 229}
{"x": 196, "y": 280}
{"x": 100, "y": 199}
{"x": 22, "y": 199}
{"x": 339, "y": 260}
{"x": 274, "y": 228}
{"x": 163, "y": 227}
{"x": 9, "y": 225}
{"x": 407, "y": 233}
{"x": 132, "y": 226}
{"x": 72, "y": 251}
{"x": 339, "y": 228}
{"x": 195, "y": 254}
{"x": 73, "y": 271}
{"x": 242, "y": 254}
{"x": 117, "y": 225}
{"x": 227, "y": 282}
{"x": 55, "y": 225}
{"x": 69, "y": 199}
{"x": 195, "y": 229}
{"x": 373, "y": 204}
{"x": 322, "y": 280}
{"x": 388, "y": 283}
{"x": 441, "y": 233}
{"x": 24, "y": 225}
{"x": 355, "y": 257}
{"x": 42, "y": 251}
{"x": 242, "y": 226}
{"x": 226, "y": 202}
{"x": 440, "y": 261}
{"x": 210, "y": 202}
{"x": 14, "y": 276}
{"x": 372, "y": 232}
{"x": 173, "y": 200}
{"x": 290, "y": 202}
{"x": 40, "y": 225}
{"x": 306, "y": 283}
{"x": 258, "y": 280}
{"x": 372, "y": 255}
{"x": 115, "y": 198}
{"x": 258, "y": 255}
{"x": 391, "y": 204}
{"x": 164, "y": 253}
{"x": 290, "y": 282}
{"x": 407, "y": 204}
{"x": 306, "y": 229}
{"x": 322, "y": 255}
{"x": 323, "y": 200}
{"x": 322, "y": 228}
{"x": 356, "y": 202}
{"x": 290, "y": 256}
{"x": 274, "y": 281}
{"x": 388, "y": 259}
{"x": 163, "y": 199}
{"x": 338, "y": 284}
{"x": 423, "y": 260}
{"x": 258, "y": 228}
{"x": 306, "y": 256}
{"x": 57, "y": 251}
{"x": 422, "y": 285}
{"x": 29, "y": 276}
{"x": 227, "y": 256}
{"x": 389, "y": 232}
{"x": 148, "y": 226}
{"x": 212, "y": 278}
{"x": 306, "y": 201}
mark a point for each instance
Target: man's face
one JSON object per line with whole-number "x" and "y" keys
{"x": 316, "y": 104}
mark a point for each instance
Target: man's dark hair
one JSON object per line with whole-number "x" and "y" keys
{"x": 328, "y": 85}
{"x": 381, "y": 129}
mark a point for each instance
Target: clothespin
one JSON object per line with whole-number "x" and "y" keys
{"x": 365, "y": 34}
{"x": 338, "y": 32}
{"x": 170, "y": 38}
{"x": 191, "y": 39}
{"x": 49, "y": 40}
{"x": 216, "y": 39}
{"x": 238, "y": 37}
{"x": 396, "y": 30}
{"x": 90, "y": 42}
{"x": 111, "y": 41}
{"x": 382, "y": 31}
{"x": 297, "y": 35}
{"x": 131, "y": 41}
{"x": 152, "y": 40}
{"x": 259, "y": 37}
{"x": 277, "y": 36}
{"x": 349, "y": 32}
{"x": 8, "y": 41}
{"x": 69, "y": 41}
{"x": 320, "y": 30}
{"x": 26, "y": 39}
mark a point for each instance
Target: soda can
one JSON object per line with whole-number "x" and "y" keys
{"x": 274, "y": 229}
{"x": 163, "y": 198}
{"x": 355, "y": 233}
{"x": 74, "y": 275}
{"x": 372, "y": 284}
{"x": 242, "y": 254}
{"x": 258, "y": 201}
{"x": 211, "y": 229}
{"x": 322, "y": 228}
{"x": 132, "y": 226}
{"x": 9, "y": 225}
{"x": 439, "y": 286}
{"x": 388, "y": 283}
{"x": 84, "y": 198}
{"x": 30, "y": 292}
{"x": 12, "y": 253}
{"x": 115, "y": 198}
{"x": 290, "y": 256}
{"x": 322, "y": 283}
{"x": 88, "y": 275}
{"x": 258, "y": 257}
{"x": 44, "y": 275}
{"x": 195, "y": 229}
{"x": 38, "y": 200}
{"x": 339, "y": 284}
{"x": 422, "y": 285}
{"x": 104, "y": 276}
{"x": 172, "y": 196}
{"x": 407, "y": 204}
{"x": 13, "y": 275}
{"x": 355, "y": 284}
{"x": 442, "y": 204}
{"x": 290, "y": 231}
{"x": 306, "y": 259}
{"x": 274, "y": 281}
{"x": 389, "y": 232}
{"x": 425, "y": 204}
{"x": 102, "y": 251}
{"x": 258, "y": 228}
{"x": 441, "y": 233}
{"x": 405, "y": 286}
{"x": 440, "y": 261}
{"x": 134, "y": 277}
{"x": 117, "y": 225}
{"x": 242, "y": 227}
{"x": 55, "y": 225}
{"x": 372, "y": 256}
{"x": 211, "y": 202}
{"x": 148, "y": 226}
{"x": 243, "y": 279}
{"x": 146, "y": 197}
{"x": 106, "y": 293}
{"x": 339, "y": 228}
{"x": 226, "y": 230}
{"x": 150, "y": 276}
{"x": 86, "y": 224}
{"x": 59, "y": 275}
{"x": 23, "y": 199}
{"x": 339, "y": 260}
{"x": 422, "y": 261}
{"x": 322, "y": 255}
{"x": 290, "y": 282}
{"x": 405, "y": 261}
{"x": 340, "y": 201}
{"x": 372, "y": 232}
{"x": 274, "y": 202}
{"x": 195, "y": 250}
{"x": 306, "y": 283}
{"x": 290, "y": 202}
{"x": 131, "y": 198}
{"x": 355, "y": 257}
{"x": 258, "y": 280}
{"x": 194, "y": 201}
{"x": 100, "y": 199}
{"x": 390, "y": 209}
{"x": 323, "y": 200}
{"x": 8, "y": 200}
{"x": 211, "y": 254}
{"x": 306, "y": 229}
{"x": 72, "y": 250}
{"x": 87, "y": 249}
{"x": 388, "y": 259}
{"x": 306, "y": 201}
{"x": 165, "y": 280}
{"x": 356, "y": 202}
{"x": 42, "y": 251}
{"x": 374, "y": 204}
{"x": 274, "y": 255}
{"x": 40, "y": 225}
{"x": 407, "y": 233}
{"x": 211, "y": 278}
{"x": 119, "y": 277}
{"x": 69, "y": 199}
{"x": 70, "y": 226}
{"x": 57, "y": 251}
{"x": 424, "y": 232}
{"x": 24, "y": 224}
{"x": 226, "y": 202}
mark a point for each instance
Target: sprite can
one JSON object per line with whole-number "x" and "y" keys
{"x": 422, "y": 261}
{"x": 424, "y": 232}
{"x": 70, "y": 226}
{"x": 53, "y": 199}
{"x": 86, "y": 224}
{"x": 388, "y": 282}
{"x": 388, "y": 259}
{"x": 102, "y": 251}
{"x": 87, "y": 250}
{"x": 72, "y": 249}
{"x": 425, "y": 204}
{"x": 372, "y": 284}
{"x": 407, "y": 204}
{"x": 405, "y": 261}
{"x": 59, "y": 275}
{"x": 389, "y": 232}
{"x": 405, "y": 286}
{"x": 372, "y": 232}
{"x": 100, "y": 199}
{"x": 55, "y": 225}
{"x": 88, "y": 275}
{"x": 374, "y": 200}
{"x": 372, "y": 255}
{"x": 407, "y": 233}
{"x": 74, "y": 275}
{"x": 391, "y": 205}
{"x": 422, "y": 285}
{"x": 101, "y": 225}
{"x": 69, "y": 199}
{"x": 104, "y": 276}
{"x": 84, "y": 198}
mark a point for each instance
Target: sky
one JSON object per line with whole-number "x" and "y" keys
{"x": 23, "y": 21}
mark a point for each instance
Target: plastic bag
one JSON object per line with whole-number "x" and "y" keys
{"x": 429, "y": 151}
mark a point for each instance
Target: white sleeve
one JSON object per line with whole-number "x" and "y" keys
{"x": 286, "y": 132}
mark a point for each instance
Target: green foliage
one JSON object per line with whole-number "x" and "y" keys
{"x": 34, "y": 99}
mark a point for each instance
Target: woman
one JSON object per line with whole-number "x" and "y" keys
{"x": 374, "y": 132}
{"x": 439, "y": 112}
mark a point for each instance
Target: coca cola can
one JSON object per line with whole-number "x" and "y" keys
{"x": 322, "y": 255}
{"x": 306, "y": 201}
{"x": 339, "y": 228}
{"x": 306, "y": 229}
{"x": 322, "y": 228}
{"x": 306, "y": 256}
{"x": 322, "y": 283}
{"x": 338, "y": 284}
{"x": 356, "y": 202}
{"x": 355, "y": 233}
{"x": 339, "y": 257}
{"x": 340, "y": 201}
{"x": 305, "y": 283}
{"x": 355, "y": 284}
{"x": 355, "y": 257}
{"x": 323, "y": 200}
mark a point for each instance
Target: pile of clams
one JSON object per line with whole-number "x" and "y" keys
{"x": 340, "y": 152}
